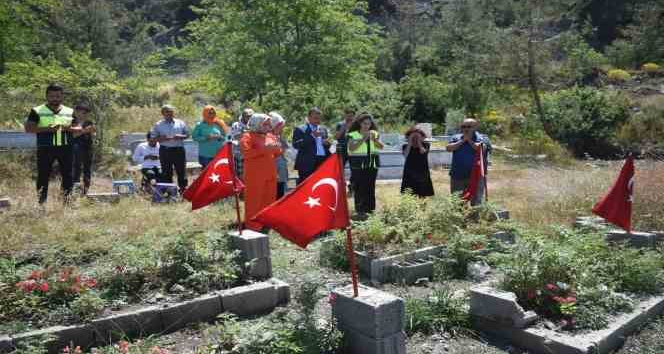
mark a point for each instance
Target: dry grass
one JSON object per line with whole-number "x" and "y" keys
{"x": 535, "y": 196}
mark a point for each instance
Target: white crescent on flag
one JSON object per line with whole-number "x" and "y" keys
{"x": 221, "y": 162}
{"x": 630, "y": 189}
{"x": 332, "y": 182}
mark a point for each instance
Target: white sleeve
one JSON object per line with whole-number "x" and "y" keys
{"x": 139, "y": 154}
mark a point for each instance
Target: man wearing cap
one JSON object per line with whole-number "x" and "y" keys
{"x": 52, "y": 123}
{"x": 311, "y": 142}
{"x": 82, "y": 143}
{"x": 171, "y": 133}
{"x": 237, "y": 129}
{"x": 463, "y": 147}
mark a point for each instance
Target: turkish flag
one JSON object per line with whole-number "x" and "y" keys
{"x": 616, "y": 206}
{"x": 476, "y": 176}
{"x": 318, "y": 204}
{"x": 217, "y": 181}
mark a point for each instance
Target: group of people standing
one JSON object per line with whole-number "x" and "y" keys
{"x": 66, "y": 135}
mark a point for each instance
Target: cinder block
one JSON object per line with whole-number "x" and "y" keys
{"x": 503, "y": 214}
{"x": 409, "y": 273}
{"x": 659, "y": 237}
{"x": 283, "y": 291}
{"x": 499, "y": 306}
{"x": 6, "y": 344}
{"x": 357, "y": 343}
{"x": 60, "y": 337}
{"x": 260, "y": 268}
{"x": 130, "y": 324}
{"x": 201, "y": 309}
{"x": 504, "y": 236}
{"x": 250, "y": 299}
{"x": 635, "y": 239}
{"x": 373, "y": 313}
{"x": 251, "y": 244}
{"x": 103, "y": 197}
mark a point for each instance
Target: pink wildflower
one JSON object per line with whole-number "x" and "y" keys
{"x": 43, "y": 287}
{"x": 531, "y": 294}
{"x": 65, "y": 350}
{"x": 36, "y": 275}
{"x": 123, "y": 346}
{"x": 551, "y": 287}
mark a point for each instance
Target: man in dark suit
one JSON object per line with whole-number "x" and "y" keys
{"x": 311, "y": 142}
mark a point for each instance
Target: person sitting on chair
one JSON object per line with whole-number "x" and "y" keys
{"x": 147, "y": 154}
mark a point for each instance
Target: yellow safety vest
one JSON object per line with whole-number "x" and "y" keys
{"x": 47, "y": 118}
{"x": 365, "y": 148}
{"x": 364, "y": 156}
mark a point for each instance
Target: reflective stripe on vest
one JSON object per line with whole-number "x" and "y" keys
{"x": 363, "y": 149}
{"x": 47, "y": 118}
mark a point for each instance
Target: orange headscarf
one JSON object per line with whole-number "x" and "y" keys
{"x": 211, "y": 118}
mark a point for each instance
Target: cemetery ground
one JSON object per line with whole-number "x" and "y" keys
{"x": 94, "y": 238}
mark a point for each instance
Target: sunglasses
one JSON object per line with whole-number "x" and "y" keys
{"x": 466, "y": 126}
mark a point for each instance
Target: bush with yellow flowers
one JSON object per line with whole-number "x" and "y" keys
{"x": 650, "y": 68}
{"x": 619, "y": 76}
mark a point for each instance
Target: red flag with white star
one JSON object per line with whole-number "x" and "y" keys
{"x": 616, "y": 206}
{"x": 318, "y": 204}
{"x": 217, "y": 181}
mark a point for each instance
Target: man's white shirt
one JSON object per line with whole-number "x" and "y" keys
{"x": 144, "y": 149}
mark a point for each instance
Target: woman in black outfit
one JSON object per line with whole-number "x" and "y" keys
{"x": 416, "y": 176}
{"x": 83, "y": 146}
{"x": 363, "y": 147}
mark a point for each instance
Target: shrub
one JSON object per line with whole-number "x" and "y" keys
{"x": 650, "y": 68}
{"x": 586, "y": 119}
{"x": 201, "y": 262}
{"x": 573, "y": 277}
{"x": 618, "y": 76}
{"x": 87, "y": 306}
{"x": 333, "y": 252}
{"x": 439, "y": 312}
{"x": 461, "y": 250}
{"x": 280, "y": 332}
{"x": 643, "y": 130}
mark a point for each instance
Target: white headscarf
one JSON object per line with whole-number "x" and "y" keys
{"x": 255, "y": 123}
{"x": 277, "y": 119}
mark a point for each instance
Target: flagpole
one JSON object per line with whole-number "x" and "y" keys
{"x": 349, "y": 236}
{"x": 485, "y": 168}
{"x": 236, "y": 192}
{"x": 351, "y": 258}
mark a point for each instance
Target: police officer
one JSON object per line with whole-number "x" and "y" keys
{"x": 52, "y": 123}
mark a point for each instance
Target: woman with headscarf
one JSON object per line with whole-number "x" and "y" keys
{"x": 259, "y": 148}
{"x": 416, "y": 176}
{"x": 278, "y": 123}
{"x": 210, "y": 133}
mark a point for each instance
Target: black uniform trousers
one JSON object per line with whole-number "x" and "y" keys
{"x": 364, "y": 189}
{"x": 46, "y": 155}
{"x": 173, "y": 158}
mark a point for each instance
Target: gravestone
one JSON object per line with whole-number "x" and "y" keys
{"x": 373, "y": 322}
{"x": 500, "y": 307}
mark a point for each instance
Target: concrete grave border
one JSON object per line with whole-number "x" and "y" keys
{"x": 247, "y": 300}
{"x": 410, "y": 266}
{"x": 546, "y": 341}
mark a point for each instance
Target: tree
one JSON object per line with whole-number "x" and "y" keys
{"x": 20, "y": 21}
{"x": 257, "y": 45}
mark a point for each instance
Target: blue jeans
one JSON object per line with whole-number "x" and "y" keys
{"x": 204, "y": 161}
